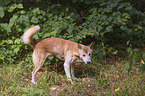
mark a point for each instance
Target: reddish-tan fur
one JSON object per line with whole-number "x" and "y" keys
{"x": 66, "y": 50}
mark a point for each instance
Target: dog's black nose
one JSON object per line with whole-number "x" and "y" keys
{"x": 88, "y": 62}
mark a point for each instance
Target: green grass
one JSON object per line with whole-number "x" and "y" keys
{"x": 98, "y": 79}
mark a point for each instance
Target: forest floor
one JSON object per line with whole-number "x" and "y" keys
{"x": 99, "y": 78}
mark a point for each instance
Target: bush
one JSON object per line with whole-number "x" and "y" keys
{"x": 111, "y": 25}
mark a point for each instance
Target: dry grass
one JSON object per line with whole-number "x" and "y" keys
{"x": 96, "y": 79}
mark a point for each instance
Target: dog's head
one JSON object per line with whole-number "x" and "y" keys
{"x": 85, "y": 52}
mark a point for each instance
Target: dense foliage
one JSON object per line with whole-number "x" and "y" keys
{"x": 115, "y": 26}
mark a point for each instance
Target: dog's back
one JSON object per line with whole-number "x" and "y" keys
{"x": 57, "y": 46}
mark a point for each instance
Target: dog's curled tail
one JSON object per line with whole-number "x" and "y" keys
{"x": 27, "y": 36}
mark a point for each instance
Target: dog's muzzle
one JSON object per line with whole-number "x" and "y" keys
{"x": 88, "y": 62}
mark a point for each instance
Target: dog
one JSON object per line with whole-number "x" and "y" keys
{"x": 69, "y": 52}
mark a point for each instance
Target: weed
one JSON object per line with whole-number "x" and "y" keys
{"x": 95, "y": 79}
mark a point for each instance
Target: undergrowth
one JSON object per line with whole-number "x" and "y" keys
{"x": 96, "y": 79}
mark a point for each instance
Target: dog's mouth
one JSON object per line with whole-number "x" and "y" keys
{"x": 87, "y": 62}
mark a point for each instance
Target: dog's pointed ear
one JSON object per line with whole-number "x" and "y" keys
{"x": 91, "y": 45}
{"x": 79, "y": 47}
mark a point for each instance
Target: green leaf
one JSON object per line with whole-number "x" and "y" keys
{"x": 104, "y": 17}
{"x": 10, "y": 42}
{"x": 36, "y": 36}
{"x": 128, "y": 8}
{"x": 129, "y": 50}
{"x": 46, "y": 35}
{"x": 31, "y": 89}
{"x": 143, "y": 56}
{"x": 20, "y": 6}
{"x": 109, "y": 28}
{"x": 34, "y": 20}
{"x": 128, "y": 42}
{"x": 88, "y": 1}
{"x": 36, "y": 11}
{"x": 121, "y": 6}
{"x": 99, "y": 28}
{"x": 2, "y": 12}
{"x": 39, "y": 91}
{"x": 142, "y": 67}
{"x": 24, "y": 19}
{"x": 126, "y": 15}
{"x": 13, "y": 20}
{"x": 13, "y": 7}
{"x": 51, "y": 57}
{"x": 25, "y": 90}
{"x": 132, "y": 60}
{"x": 124, "y": 28}
{"x": 112, "y": 51}
{"x": 70, "y": 29}
{"x": 115, "y": 52}
{"x": 16, "y": 49}
{"x": 127, "y": 67}
{"x": 6, "y": 27}
{"x": 17, "y": 41}
{"x": 59, "y": 31}
{"x": 24, "y": 94}
{"x": 74, "y": 1}
{"x": 110, "y": 18}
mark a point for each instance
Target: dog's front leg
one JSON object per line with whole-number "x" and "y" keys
{"x": 73, "y": 71}
{"x": 67, "y": 71}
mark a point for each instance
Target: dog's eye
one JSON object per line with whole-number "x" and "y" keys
{"x": 89, "y": 54}
{"x": 84, "y": 55}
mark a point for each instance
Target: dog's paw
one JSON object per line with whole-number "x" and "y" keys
{"x": 70, "y": 81}
{"x": 75, "y": 78}
{"x": 34, "y": 82}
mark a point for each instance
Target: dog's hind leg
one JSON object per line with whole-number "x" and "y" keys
{"x": 34, "y": 72}
{"x": 38, "y": 60}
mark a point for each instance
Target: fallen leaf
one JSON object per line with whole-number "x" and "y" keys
{"x": 84, "y": 79}
{"x": 3, "y": 92}
{"x": 42, "y": 68}
{"x": 61, "y": 75}
{"x": 117, "y": 90}
{"x": 142, "y": 61}
{"x": 53, "y": 88}
{"x": 117, "y": 76}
